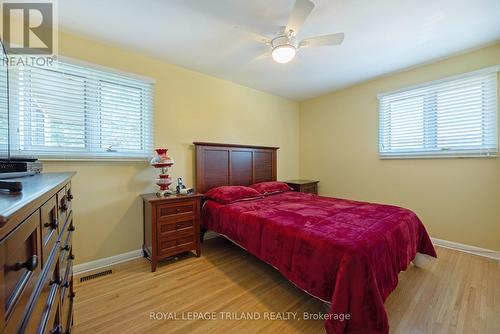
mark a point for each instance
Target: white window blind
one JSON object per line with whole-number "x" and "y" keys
{"x": 456, "y": 116}
{"x": 73, "y": 111}
{"x": 4, "y": 130}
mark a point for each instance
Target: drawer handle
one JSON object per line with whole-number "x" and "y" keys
{"x": 71, "y": 228}
{"x": 66, "y": 248}
{"x": 30, "y": 264}
{"x": 72, "y": 295}
{"x": 178, "y": 226}
{"x": 57, "y": 330}
{"x": 55, "y": 282}
{"x": 177, "y": 210}
{"x": 53, "y": 225}
{"x": 70, "y": 197}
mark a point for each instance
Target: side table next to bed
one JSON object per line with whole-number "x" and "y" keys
{"x": 304, "y": 186}
{"x": 171, "y": 226}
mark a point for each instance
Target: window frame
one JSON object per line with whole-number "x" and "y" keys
{"x": 432, "y": 151}
{"x": 89, "y": 152}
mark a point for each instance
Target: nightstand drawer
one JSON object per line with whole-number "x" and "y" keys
{"x": 166, "y": 246}
{"x": 169, "y": 228}
{"x": 165, "y": 211}
{"x": 309, "y": 188}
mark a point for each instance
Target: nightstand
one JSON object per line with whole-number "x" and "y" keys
{"x": 171, "y": 226}
{"x": 304, "y": 186}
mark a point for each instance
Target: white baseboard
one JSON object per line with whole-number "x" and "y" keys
{"x": 106, "y": 262}
{"x": 467, "y": 248}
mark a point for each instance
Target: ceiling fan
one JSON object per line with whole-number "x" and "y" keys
{"x": 284, "y": 45}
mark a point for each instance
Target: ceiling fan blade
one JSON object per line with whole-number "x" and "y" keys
{"x": 263, "y": 56}
{"x": 325, "y": 40}
{"x": 300, "y": 12}
{"x": 253, "y": 35}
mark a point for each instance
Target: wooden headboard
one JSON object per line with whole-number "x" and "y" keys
{"x": 233, "y": 165}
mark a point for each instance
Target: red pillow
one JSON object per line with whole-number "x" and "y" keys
{"x": 231, "y": 194}
{"x": 273, "y": 187}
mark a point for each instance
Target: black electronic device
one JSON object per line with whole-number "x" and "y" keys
{"x": 12, "y": 166}
{"x": 12, "y": 186}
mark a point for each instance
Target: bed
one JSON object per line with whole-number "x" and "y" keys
{"x": 345, "y": 252}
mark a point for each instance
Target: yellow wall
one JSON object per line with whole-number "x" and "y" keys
{"x": 189, "y": 106}
{"x": 457, "y": 199}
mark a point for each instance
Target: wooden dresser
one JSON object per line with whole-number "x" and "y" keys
{"x": 36, "y": 229}
{"x": 171, "y": 226}
{"x": 304, "y": 186}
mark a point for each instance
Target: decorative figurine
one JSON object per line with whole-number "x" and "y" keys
{"x": 180, "y": 185}
{"x": 163, "y": 162}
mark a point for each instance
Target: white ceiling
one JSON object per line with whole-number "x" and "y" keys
{"x": 214, "y": 36}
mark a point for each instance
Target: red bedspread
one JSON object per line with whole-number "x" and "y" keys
{"x": 346, "y": 252}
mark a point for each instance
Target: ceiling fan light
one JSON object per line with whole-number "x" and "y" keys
{"x": 283, "y": 53}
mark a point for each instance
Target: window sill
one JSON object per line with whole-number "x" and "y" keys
{"x": 451, "y": 156}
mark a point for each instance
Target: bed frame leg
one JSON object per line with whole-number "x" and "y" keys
{"x": 202, "y": 233}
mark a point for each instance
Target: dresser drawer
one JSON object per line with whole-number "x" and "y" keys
{"x": 20, "y": 264}
{"x": 65, "y": 231}
{"x": 49, "y": 227}
{"x": 54, "y": 321}
{"x": 169, "y": 229}
{"x": 170, "y": 210}
{"x": 66, "y": 254}
{"x": 69, "y": 197}
{"x": 173, "y": 246}
{"x": 43, "y": 316}
{"x": 67, "y": 281}
{"x": 62, "y": 206}
{"x": 67, "y": 308}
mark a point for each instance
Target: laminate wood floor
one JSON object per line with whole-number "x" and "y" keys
{"x": 457, "y": 293}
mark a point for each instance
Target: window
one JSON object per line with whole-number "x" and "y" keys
{"x": 4, "y": 103}
{"x": 71, "y": 111}
{"x": 454, "y": 117}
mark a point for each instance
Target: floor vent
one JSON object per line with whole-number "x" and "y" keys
{"x": 96, "y": 275}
